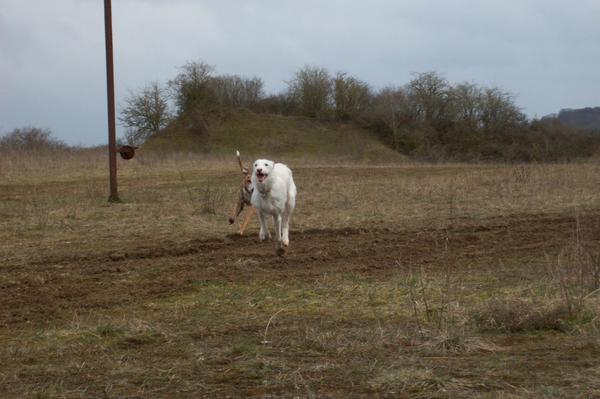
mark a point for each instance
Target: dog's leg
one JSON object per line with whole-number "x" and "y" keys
{"x": 287, "y": 215}
{"x": 277, "y": 222}
{"x": 264, "y": 230}
{"x": 285, "y": 229}
{"x": 237, "y": 209}
{"x": 249, "y": 213}
{"x": 277, "y": 219}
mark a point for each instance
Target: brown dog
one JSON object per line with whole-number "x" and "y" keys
{"x": 244, "y": 197}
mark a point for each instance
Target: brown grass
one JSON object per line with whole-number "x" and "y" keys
{"x": 45, "y": 202}
{"x": 517, "y": 315}
{"x": 402, "y": 280}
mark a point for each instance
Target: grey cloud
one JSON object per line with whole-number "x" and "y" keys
{"x": 52, "y": 54}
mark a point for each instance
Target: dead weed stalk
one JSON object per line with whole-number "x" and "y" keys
{"x": 572, "y": 280}
{"x": 576, "y": 272}
{"x": 435, "y": 309}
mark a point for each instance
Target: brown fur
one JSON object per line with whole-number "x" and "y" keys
{"x": 244, "y": 198}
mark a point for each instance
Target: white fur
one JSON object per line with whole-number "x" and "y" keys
{"x": 274, "y": 195}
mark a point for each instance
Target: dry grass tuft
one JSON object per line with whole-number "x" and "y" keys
{"x": 454, "y": 342}
{"x": 517, "y": 315}
{"x": 416, "y": 382}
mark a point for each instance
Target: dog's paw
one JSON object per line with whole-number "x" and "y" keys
{"x": 264, "y": 237}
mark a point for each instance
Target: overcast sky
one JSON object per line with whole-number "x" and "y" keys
{"x": 52, "y": 65}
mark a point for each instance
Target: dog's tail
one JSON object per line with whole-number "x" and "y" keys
{"x": 239, "y": 158}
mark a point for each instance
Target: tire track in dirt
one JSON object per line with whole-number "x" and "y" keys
{"x": 53, "y": 288}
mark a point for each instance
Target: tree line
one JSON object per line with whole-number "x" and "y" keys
{"x": 31, "y": 140}
{"x": 428, "y": 117}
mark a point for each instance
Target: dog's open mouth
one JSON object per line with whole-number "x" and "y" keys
{"x": 261, "y": 176}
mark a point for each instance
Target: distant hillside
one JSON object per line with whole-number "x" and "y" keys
{"x": 272, "y": 135}
{"x": 585, "y": 118}
{"x": 325, "y": 116}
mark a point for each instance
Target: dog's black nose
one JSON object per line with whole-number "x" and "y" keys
{"x": 259, "y": 170}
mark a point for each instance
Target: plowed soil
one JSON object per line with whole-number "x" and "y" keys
{"x": 51, "y": 287}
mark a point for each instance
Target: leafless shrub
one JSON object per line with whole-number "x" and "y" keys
{"x": 439, "y": 323}
{"x": 211, "y": 199}
{"x": 145, "y": 113}
{"x": 391, "y": 114}
{"x": 576, "y": 271}
{"x": 428, "y": 302}
{"x": 31, "y": 139}
{"x": 574, "y": 278}
{"x": 235, "y": 91}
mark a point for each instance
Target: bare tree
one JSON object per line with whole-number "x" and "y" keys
{"x": 429, "y": 95}
{"x": 192, "y": 85}
{"x": 499, "y": 114}
{"x": 311, "y": 90}
{"x": 393, "y": 109}
{"x": 465, "y": 103}
{"x": 145, "y": 113}
{"x": 351, "y": 96}
{"x": 235, "y": 91}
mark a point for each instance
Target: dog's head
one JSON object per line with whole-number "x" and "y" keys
{"x": 262, "y": 169}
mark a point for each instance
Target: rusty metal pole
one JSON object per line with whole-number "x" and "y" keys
{"x": 110, "y": 89}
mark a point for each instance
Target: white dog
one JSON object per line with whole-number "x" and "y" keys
{"x": 274, "y": 194}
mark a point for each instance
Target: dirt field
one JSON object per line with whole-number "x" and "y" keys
{"x": 401, "y": 281}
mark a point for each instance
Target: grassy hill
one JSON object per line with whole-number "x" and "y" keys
{"x": 272, "y": 136}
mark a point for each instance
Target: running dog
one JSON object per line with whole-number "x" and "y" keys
{"x": 244, "y": 197}
{"x": 274, "y": 195}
